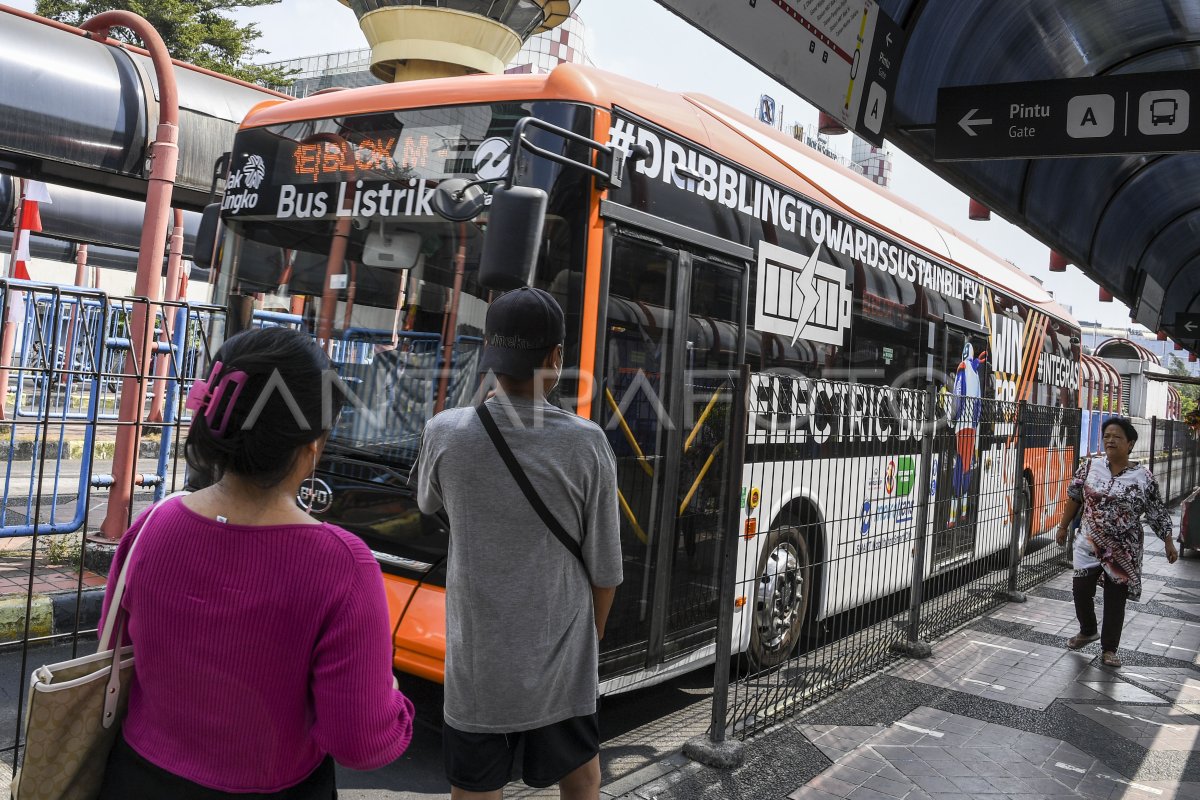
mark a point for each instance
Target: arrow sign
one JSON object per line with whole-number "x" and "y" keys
{"x": 967, "y": 123}
{"x": 1188, "y": 324}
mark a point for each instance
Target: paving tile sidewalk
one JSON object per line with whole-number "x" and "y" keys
{"x": 1001, "y": 711}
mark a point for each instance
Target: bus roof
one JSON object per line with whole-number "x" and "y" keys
{"x": 705, "y": 121}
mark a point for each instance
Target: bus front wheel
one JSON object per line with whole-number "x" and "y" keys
{"x": 1025, "y": 518}
{"x": 781, "y": 595}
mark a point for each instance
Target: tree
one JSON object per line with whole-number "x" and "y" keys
{"x": 1189, "y": 394}
{"x": 196, "y": 31}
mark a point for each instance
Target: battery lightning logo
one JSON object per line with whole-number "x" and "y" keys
{"x": 801, "y": 297}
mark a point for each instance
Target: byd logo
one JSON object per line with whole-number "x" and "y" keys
{"x": 315, "y": 495}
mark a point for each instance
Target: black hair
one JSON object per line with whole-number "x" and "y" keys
{"x": 1124, "y": 424}
{"x": 287, "y": 379}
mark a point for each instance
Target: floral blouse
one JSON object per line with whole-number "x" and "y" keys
{"x": 1113, "y": 506}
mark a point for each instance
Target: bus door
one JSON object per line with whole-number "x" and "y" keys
{"x": 958, "y": 447}
{"x": 665, "y": 404}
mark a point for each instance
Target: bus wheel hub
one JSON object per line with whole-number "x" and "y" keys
{"x": 778, "y": 594}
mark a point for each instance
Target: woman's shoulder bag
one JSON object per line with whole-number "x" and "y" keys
{"x": 76, "y": 707}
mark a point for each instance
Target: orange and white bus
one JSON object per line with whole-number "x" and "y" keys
{"x": 723, "y": 242}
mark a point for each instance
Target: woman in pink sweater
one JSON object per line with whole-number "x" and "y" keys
{"x": 261, "y": 635}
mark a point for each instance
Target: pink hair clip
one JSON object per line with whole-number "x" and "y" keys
{"x": 207, "y": 400}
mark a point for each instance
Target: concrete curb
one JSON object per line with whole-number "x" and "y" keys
{"x": 88, "y": 603}
{"x": 49, "y": 613}
{"x": 12, "y": 617}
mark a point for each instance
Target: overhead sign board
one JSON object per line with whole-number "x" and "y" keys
{"x": 1187, "y": 326}
{"x": 1152, "y": 112}
{"x": 766, "y": 110}
{"x": 843, "y": 56}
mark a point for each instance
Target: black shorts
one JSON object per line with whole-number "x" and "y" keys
{"x": 483, "y": 762}
{"x": 128, "y": 775}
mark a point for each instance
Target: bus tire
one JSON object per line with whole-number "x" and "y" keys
{"x": 1025, "y": 520}
{"x": 781, "y": 594}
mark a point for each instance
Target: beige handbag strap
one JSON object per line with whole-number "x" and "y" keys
{"x": 112, "y": 691}
{"x": 114, "y": 606}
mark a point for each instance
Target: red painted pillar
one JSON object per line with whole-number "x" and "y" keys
{"x": 163, "y": 362}
{"x": 164, "y": 157}
{"x": 81, "y": 256}
{"x": 8, "y": 336}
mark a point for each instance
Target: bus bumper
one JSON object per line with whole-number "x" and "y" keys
{"x": 417, "y": 614}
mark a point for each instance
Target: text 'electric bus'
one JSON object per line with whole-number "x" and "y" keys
{"x": 725, "y": 242}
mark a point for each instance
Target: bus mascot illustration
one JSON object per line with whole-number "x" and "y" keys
{"x": 966, "y": 407}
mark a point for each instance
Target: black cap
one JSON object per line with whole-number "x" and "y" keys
{"x": 521, "y": 326}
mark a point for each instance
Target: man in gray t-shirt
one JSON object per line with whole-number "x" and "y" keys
{"x": 523, "y": 614}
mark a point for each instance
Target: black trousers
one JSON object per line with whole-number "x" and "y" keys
{"x": 1083, "y": 588}
{"x": 130, "y": 776}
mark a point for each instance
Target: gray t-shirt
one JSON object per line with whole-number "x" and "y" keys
{"x": 521, "y": 649}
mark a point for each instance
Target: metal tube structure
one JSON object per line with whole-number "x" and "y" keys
{"x": 164, "y": 158}
{"x": 450, "y": 331}
{"x": 161, "y": 361}
{"x": 1153, "y": 439}
{"x": 337, "y": 257}
{"x": 1019, "y": 530}
{"x": 334, "y": 266}
{"x": 913, "y": 646}
{"x": 8, "y": 336}
{"x": 81, "y": 257}
{"x": 731, "y": 536}
{"x": 351, "y": 291}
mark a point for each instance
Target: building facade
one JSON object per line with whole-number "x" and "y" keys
{"x": 349, "y": 69}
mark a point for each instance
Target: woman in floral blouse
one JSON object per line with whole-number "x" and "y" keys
{"x": 1115, "y": 495}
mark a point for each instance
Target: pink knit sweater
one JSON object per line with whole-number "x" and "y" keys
{"x": 259, "y": 650}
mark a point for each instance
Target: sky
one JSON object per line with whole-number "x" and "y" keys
{"x": 642, "y": 40}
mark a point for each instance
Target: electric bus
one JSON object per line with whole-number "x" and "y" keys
{"x": 682, "y": 239}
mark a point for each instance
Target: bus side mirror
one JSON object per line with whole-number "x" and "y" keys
{"x": 514, "y": 234}
{"x": 208, "y": 237}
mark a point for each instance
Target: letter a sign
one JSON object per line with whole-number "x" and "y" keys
{"x": 1091, "y": 116}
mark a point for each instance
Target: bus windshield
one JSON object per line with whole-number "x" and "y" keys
{"x": 332, "y": 230}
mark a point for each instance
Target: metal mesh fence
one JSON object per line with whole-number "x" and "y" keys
{"x": 885, "y": 518}
{"x": 78, "y": 378}
{"x": 1173, "y": 454}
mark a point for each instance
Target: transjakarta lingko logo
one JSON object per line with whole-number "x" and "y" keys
{"x": 241, "y": 190}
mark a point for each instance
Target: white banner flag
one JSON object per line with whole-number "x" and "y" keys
{"x": 37, "y": 191}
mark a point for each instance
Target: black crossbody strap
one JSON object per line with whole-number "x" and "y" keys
{"x": 522, "y": 480}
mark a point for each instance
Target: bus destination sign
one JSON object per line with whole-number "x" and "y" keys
{"x": 384, "y": 175}
{"x": 1109, "y": 115}
{"x": 389, "y": 155}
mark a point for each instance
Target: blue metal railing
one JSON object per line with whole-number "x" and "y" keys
{"x": 72, "y": 353}
{"x": 55, "y": 340}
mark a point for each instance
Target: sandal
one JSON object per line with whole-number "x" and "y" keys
{"x": 1081, "y": 640}
{"x": 1109, "y": 659}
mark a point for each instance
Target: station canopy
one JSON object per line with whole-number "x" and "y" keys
{"x": 1132, "y": 223}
